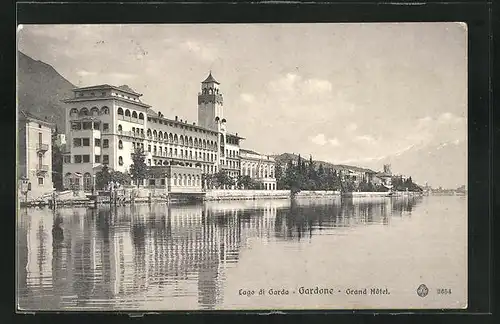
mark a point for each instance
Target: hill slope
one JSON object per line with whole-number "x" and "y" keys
{"x": 285, "y": 157}
{"x": 41, "y": 89}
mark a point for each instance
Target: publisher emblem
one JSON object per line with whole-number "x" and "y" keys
{"x": 422, "y": 290}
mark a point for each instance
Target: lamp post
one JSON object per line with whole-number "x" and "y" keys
{"x": 25, "y": 187}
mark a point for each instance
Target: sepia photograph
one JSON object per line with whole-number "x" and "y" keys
{"x": 298, "y": 166}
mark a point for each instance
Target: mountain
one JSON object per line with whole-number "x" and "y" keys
{"x": 41, "y": 89}
{"x": 443, "y": 164}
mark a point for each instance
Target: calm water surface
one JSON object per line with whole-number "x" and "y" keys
{"x": 203, "y": 256}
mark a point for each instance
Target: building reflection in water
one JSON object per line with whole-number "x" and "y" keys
{"x": 127, "y": 257}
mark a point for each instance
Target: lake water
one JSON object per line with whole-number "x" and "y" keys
{"x": 213, "y": 255}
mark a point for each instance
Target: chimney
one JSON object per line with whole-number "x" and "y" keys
{"x": 181, "y": 120}
{"x": 194, "y": 123}
{"x": 176, "y": 118}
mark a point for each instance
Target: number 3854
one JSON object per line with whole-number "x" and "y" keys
{"x": 444, "y": 291}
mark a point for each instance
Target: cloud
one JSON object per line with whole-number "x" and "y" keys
{"x": 84, "y": 73}
{"x": 321, "y": 140}
{"x": 247, "y": 97}
{"x": 202, "y": 52}
{"x": 352, "y": 127}
{"x": 285, "y": 84}
{"x": 292, "y": 82}
{"x": 317, "y": 86}
{"x": 365, "y": 138}
{"x": 448, "y": 117}
{"x": 334, "y": 142}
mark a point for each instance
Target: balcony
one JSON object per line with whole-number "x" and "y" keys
{"x": 40, "y": 147}
{"x": 42, "y": 169}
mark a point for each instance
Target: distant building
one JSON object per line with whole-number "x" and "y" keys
{"x": 176, "y": 178}
{"x": 105, "y": 124}
{"x": 259, "y": 167}
{"x": 60, "y": 140}
{"x": 35, "y": 154}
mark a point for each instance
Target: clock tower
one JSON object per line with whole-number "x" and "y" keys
{"x": 210, "y": 110}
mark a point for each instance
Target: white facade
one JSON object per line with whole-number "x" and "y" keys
{"x": 105, "y": 124}
{"x": 259, "y": 167}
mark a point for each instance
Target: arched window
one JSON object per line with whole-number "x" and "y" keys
{"x": 149, "y": 132}
{"x": 155, "y": 134}
{"x": 204, "y": 144}
{"x": 104, "y": 110}
{"x": 68, "y": 180}
{"x": 120, "y": 111}
{"x": 190, "y": 141}
{"x": 73, "y": 112}
{"x": 127, "y": 113}
{"x": 134, "y": 114}
{"x": 84, "y": 112}
{"x": 120, "y": 144}
{"x": 94, "y": 111}
{"x": 175, "y": 179}
{"x": 120, "y": 160}
{"x": 120, "y": 128}
{"x": 182, "y": 140}
{"x": 170, "y": 138}
{"x": 87, "y": 181}
{"x": 141, "y": 116}
{"x": 160, "y": 135}
{"x": 176, "y": 140}
{"x": 195, "y": 142}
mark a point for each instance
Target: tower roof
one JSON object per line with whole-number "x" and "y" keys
{"x": 210, "y": 79}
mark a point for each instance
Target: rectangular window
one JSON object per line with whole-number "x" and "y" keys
{"x": 151, "y": 182}
{"x": 149, "y": 162}
{"x": 86, "y": 158}
{"x": 76, "y": 126}
{"x": 105, "y": 159}
{"x": 78, "y": 159}
{"x": 67, "y": 159}
{"x": 77, "y": 142}
{"x": 87, "y": 125}
{"x": 40, "y": 181}
{"x": 105, "y": 143}
{"x": 162, "y": 182}
{"x": 149, "y": 148}
{"x": 97, "y": 142}
{"x": 40, "y": 138}
{"x": 105, "y": 126}
{"x": 97, "y": 159}
{"x": 86, "y": 141}
{"x": 96, "y": 125}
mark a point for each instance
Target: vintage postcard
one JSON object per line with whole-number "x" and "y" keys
{"x": 242, "y": 167}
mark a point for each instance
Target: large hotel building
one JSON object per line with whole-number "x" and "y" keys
{"x": 104, "y": 125}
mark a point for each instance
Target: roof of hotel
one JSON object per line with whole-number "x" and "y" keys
{"x": 249, "y": 151}
{"x": 234, "y": 135}
{"x": 210, "y": 79}
{"x": 124, "y": 88}
{"x": 27, "y": 115}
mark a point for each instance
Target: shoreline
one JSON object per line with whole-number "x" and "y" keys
{"x": 216, "y": 195}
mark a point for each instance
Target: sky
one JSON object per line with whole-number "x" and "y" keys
{"x": 343, "y": 93}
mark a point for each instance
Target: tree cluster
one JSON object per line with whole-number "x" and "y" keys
{"x": 104, "y": 177}
{"x": 306, "y": 176}
{"x": 404, "y": 185}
